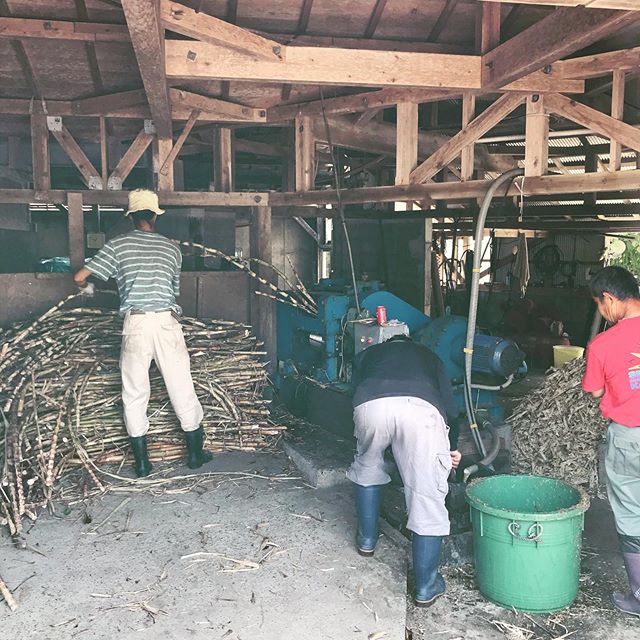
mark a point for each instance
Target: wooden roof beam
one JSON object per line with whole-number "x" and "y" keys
{"x": 191, "y": 61}
{"x": 147, "y": 38}
{"x": 552, "y": 38}
{"x": 201, "y": 26}
{"x": 600, "y": 64}
{"x": 588, "y": 4}
{"x": 541, "y": 185}
{"x": 213, "y": 108}
{"x": 358, "y": 102}
{"x": 32, "y": 29}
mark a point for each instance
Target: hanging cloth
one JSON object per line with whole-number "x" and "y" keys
{"x": 521, "y": 267}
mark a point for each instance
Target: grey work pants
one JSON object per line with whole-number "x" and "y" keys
{"x": 418, "y": 436}
{"x": 622, "y": 464}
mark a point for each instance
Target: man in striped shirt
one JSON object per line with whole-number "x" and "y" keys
{"x": 146, "y": 266}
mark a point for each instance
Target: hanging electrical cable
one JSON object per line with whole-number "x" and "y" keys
{"x": 343, "y": 221}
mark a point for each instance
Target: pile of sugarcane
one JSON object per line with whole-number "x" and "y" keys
{"x": 557, "y": 429}
{"x": 60, "y": 394}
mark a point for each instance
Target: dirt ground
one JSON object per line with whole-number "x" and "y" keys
{"x": 463, "y": 614}
{"x": 237, "y": 557}
{"x": 254, "y": 553}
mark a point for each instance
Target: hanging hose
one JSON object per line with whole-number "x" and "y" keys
{"x": 473, "y": 305}
{"x": 343, "y": 220}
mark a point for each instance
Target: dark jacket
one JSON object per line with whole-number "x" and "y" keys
{"x": 405, "y": 368}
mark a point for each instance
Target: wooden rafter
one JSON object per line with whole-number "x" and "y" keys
{"x": 130, "y": 159}
{"x": 109, "y": 103}
{"x": 379, "y": 44}
{"x": 201, "y": 26}
{"x": 374, "y": 19}
{"x": 552, "y": 38}
{"x": 594, "y": 120}
{"x": 213, "y": 108}
{"x": 303, "y": 23}
{"x": 600, "y": 64}
{"x": 92, "y": 59}
{"x": 358, "y": 102}
{"x": 441, "y": 22}
{"x": 590, "y": 4}
{"x": 179, "y": 143}
{"x": 22, "y": 57}
{"x": 147, "y": 38}
{"x": 488, "y": 119}
{"x": 89, "y": 174}
{"x": 303, "y": 18}
{"x": 85, "y": 31}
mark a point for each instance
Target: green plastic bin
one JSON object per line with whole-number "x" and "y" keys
{"x": 527, "y": 534}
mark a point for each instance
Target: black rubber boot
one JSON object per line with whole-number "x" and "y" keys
{"x": 142, "y": 466}
{"x": 196, "y": 455}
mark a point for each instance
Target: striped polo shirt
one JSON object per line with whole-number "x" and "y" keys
{"x": 146, "y": 267}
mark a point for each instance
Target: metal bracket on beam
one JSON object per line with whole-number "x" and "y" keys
{"x": 149, "y": 127}
{"x": 95, "y": 183}
{"x": 114, "y": 183}
{"x": 54, "y": 123}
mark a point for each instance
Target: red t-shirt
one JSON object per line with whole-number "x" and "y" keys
{"x": 613, "y": 364}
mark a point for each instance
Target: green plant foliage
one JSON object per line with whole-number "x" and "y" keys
{"x": 630, "y": 259}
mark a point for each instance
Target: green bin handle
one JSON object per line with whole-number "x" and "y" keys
{"x": 534, "y": 533}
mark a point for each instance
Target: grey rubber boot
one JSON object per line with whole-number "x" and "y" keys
{"x": 196, "y": 455}
{"x": 630, "y": 602}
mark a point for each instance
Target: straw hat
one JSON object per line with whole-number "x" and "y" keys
{"x": 143, "y": 199}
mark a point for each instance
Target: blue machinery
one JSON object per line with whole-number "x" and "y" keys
{"x": 323, "y": 347}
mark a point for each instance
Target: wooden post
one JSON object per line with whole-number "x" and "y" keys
{"x": 76, "y": 230}
{"x": 536, "y": 158}
{"x": 468, "y": 153}
{"x": 263, "y": 310}
{"x": 617, "y": 112}
{"x": 305, "y": 154}
{"x": 406, "y": 141}
{"x": 40, "y": 152}
{"x": 222, "y": 159}
{"x": 488, "y": 25}
{"x": 104, "y": 151}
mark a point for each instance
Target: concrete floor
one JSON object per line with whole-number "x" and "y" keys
{"x": 232, "y": 559}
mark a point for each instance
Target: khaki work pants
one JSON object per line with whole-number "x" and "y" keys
{"x": 156, "y": 336}
{"x": 419, "y": 440}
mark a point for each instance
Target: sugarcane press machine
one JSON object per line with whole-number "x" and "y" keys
{"x": 315, "y": 356}
{"x": 321, "y": 349}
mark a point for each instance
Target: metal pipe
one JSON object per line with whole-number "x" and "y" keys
{"x": 474, "y": 295}
{"x": 487, "y": 460}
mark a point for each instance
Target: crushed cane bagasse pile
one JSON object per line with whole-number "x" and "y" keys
{"x": 60, "y": 395}
{"x": 557, "y": 429}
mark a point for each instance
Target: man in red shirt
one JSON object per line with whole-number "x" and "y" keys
{"x": 613, "y": 375}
